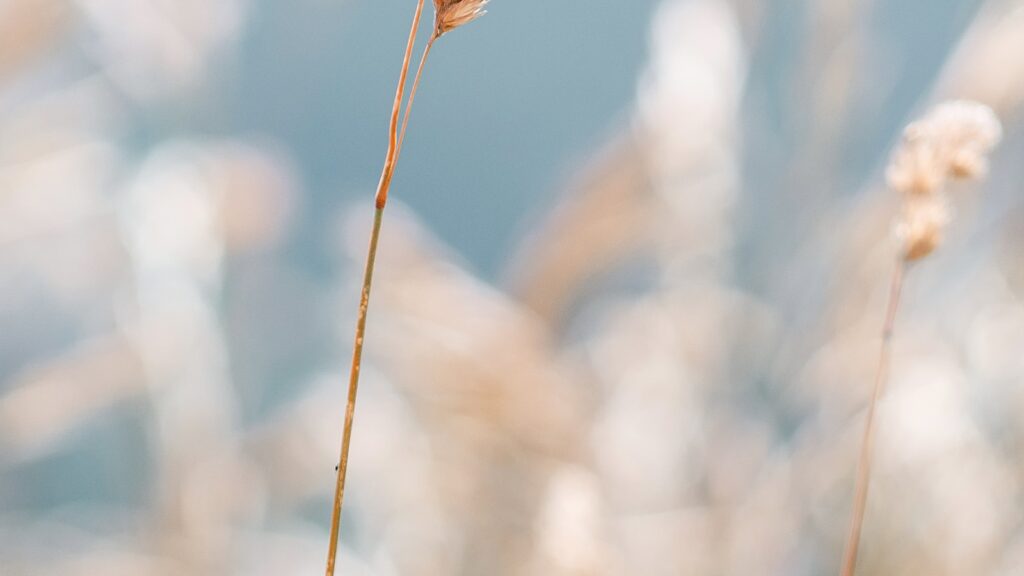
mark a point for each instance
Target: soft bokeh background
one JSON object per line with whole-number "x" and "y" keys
{"x": 627, "y": 311}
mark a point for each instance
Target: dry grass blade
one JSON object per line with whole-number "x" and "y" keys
{"x": 595, "y": 226}
{"x": 364, "y": 301}
{"x": 450, "y": 15}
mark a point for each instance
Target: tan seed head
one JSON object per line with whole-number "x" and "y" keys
{"x": 917, "y": 166}
{"x": 951, "y": 141}
{"x": 967, "y": 132}
{"x": 450, "y": 14}
{"x": 922, "y": 225}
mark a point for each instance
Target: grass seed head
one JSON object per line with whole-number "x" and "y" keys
{"x": 966, "y": 132}
{"x": 922, "y": 225}
{"x": 952, "y": 141}
{"x": 917, "y": 167}
{"x": 450, "y": 14}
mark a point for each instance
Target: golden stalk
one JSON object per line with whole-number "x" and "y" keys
{"x": 449, "y": 14}
{"x": 357, "y": 353}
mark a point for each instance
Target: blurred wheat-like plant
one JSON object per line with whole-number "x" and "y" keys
{"x": 952, "y": 141}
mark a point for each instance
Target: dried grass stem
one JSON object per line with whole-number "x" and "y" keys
{"x": 867, "y": 444}
{"x": 390, "y": 162}
{"x": 415, "y": 88}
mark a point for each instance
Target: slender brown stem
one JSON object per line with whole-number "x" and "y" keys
{"x": 415, "y": 88}
{"x": 392, "y": 156}
{"x": 867, "y": 445}
{"x": 364, "y": 303}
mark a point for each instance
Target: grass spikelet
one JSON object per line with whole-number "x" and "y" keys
{"x": 450, "y": 14}
{"x": 952, "y": 141}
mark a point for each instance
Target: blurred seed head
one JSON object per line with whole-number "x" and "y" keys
{"x": 951, "y": 141}
{"x": 916, "y": 167}
{"x": 450, "y": 14}
{"x": 966, "y": 132}
{"x": 922, "y": 224}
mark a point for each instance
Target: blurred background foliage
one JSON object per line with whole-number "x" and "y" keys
{"x": 627, "y": 311}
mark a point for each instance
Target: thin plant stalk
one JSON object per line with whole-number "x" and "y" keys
{"x": 357, "y": 353}
{"x": 867, "y": 445}
{"x": 415, "y": 88}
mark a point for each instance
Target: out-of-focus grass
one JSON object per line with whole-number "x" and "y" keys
{"x": 670, "y": 380}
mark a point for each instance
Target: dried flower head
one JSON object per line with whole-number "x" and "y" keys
{"x": 922, "y": 224}
{"x": 450, "y": 14}
{"x": 966, "y": 132}
{"x": 917, "y": 166}
{"x": 952, "y": 141}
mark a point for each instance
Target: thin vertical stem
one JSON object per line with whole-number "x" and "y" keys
{"x": 867, "y": 445}
{"x": 415, "y": 88}
{"x": 390, "y": 162}
{"x": 393, "y": 147}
